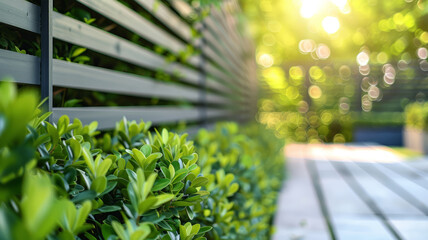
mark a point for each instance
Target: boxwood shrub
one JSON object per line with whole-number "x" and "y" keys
{"x": 66, "y": 180}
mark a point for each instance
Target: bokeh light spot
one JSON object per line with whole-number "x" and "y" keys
{"x": 315, "y": 92}
{"x": 373, "y": 92}
{"x": 363, "y": 58}
{"x": 275, "y": 77}
{"x": 316, "y": 73}
{"x": 339, "y": 138}
{"x": 303, "y": 107}
{"x": 323, "y": 51}
{"x": 296, "y": 72}
{"x": 266, "y": 60}
{"x": 422, "y": 53}
{"x": 345, "y": 72}
{"x": 423, "y": 65}
{"x": 382, "y": 57}
{"x": 424, "y": 37}
{"x": 306, "y": 46}
{"x": 364, "y": 70}
{"x": 389, "y": 74}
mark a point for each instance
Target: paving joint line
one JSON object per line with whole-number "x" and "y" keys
{"x": 412, "y": 169}
{"x": 359, "y": 190}
{"x": 315, "y": 179}
{"x": 394, "y": 187}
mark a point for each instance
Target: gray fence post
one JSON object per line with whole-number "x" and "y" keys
{"x": 46, "y": 52}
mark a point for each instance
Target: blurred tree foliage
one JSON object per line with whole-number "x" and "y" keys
{"x": 323, "y": 59}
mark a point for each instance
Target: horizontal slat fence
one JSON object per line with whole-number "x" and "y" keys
{"x": 218, "y": 81}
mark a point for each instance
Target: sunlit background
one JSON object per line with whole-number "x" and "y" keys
{"x": 330, "y": 65}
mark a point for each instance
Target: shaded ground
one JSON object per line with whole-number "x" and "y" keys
{"x": 352, "y": 192}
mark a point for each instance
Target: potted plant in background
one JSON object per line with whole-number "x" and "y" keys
{"x": 416, "y": 128}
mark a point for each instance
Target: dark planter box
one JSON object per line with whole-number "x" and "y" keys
{"x": 385, "y": 135}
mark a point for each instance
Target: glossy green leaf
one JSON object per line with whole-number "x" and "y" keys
{"x": 106, "y": 209}
{"x": 146, "y": 150}
{"x": 99, "y": 184}
{"x": 163, "y": 198}
{"x": 160, "y": 184}
{"x": 87, "y": 156}
{"x": 147, "y": 204}
{"x": 85, "y": 195}
{"x": 165, "y": 136}
{"x": 199, "y": 182}
{"x": 171, "y": 171}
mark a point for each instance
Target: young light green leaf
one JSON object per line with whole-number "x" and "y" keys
{"x": 163, "y": 198}
{"x": 120, "y": 230}
{"x": 232, "y": 189}
{"x": 78, "y": 51}
{"x": 76, "y": 149}
{"x": 139, "y": 157}
{"x": 99, "y": 184}
{"x": 171, "y": 171}
{"x": 40, "y": 208}
{"x": 53, "y": 133}
{"x": 146, "y": 150}
{"x": 165, "y": 136}
{"x": 146, "y": 205}
{"x": 62, "y": 124}
{"x": 149, "y": 184}
{"x": 195, "y": 229}
{"x": 103, "y": 167}
{"x": 87, "y": 156}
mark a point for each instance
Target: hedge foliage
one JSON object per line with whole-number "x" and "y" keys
{"x": 70, "y": 181}
{"x": 416, "y": 115}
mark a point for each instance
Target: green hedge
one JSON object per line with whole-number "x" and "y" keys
{"x": 416, "y": 115}
{"x": 377, "y": 119}
{"x": 69, "y": 181}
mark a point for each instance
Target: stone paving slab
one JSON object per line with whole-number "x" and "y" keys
{"x": 352, "y": 192}
{"x": 299, "y": 217}
{"x": 412, "y": 228}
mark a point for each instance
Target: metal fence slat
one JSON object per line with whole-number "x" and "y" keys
{"x": 79, "y": 33}
{"x": 131, "y": 20}
{"x": 21, "y": 67}
{"x": 79, "y": 76}
{"x": 21, "y": 14}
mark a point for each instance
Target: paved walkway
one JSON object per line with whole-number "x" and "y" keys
{"x": 352, "y": 192}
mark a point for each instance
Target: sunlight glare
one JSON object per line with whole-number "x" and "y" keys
{"x": 339, "y": 3}
{"x": 330, "y": 24}
{"x": 309, "y": 8}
